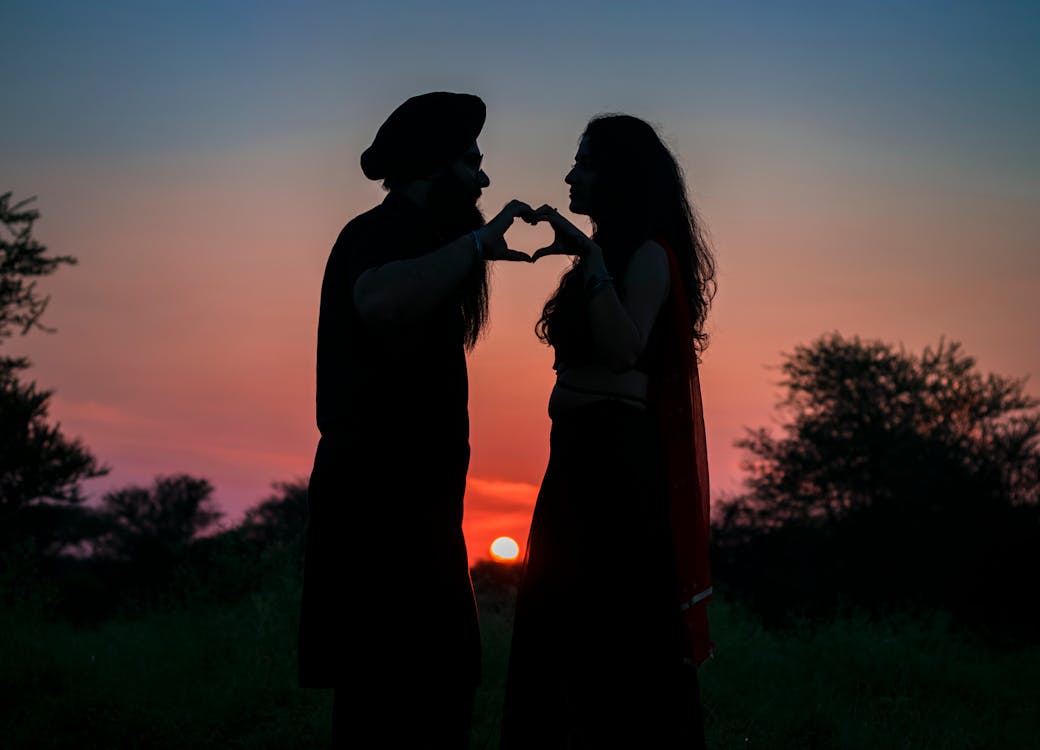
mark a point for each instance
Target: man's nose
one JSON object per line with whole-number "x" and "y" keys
{"x": 483, "y": 180}
{"x": 569, "y": 179}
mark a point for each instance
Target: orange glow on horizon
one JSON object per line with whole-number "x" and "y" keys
{"x": 505, "y": 549}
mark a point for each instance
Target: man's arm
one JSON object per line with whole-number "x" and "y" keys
{"x": 406, "y": 291}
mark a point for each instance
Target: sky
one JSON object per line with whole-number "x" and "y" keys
{"x": 866, "y": 168}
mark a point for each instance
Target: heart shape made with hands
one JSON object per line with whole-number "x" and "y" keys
{"x": 562, "y": 237}
{"x": 530, "y": 236}
{"x": 567, "y": 238}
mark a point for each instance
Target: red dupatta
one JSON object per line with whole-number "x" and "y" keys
{"x": 675, "y": 400}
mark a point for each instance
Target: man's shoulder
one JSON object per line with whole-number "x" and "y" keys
{"x": 381, "y": 234}
{"x": 365, "y": 225}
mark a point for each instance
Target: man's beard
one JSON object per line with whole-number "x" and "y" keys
{"x": 453, "y": 206}
{"x": 453, "y": 209}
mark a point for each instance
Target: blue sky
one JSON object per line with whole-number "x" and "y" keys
{"x": 108, "y": 78}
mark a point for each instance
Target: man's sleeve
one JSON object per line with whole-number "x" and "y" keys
{"x": 370, "y": 245}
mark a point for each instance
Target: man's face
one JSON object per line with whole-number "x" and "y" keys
{"x": 455, "y": 191}
{"x": 468, "y": 173}
{"x": 453, "y": 202}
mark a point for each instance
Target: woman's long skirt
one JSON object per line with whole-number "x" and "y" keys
{"x": 596, "y": 657}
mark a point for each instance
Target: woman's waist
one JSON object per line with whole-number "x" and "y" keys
{"x": 576, "y": 389}
{"x": 608, "y": 430}
{"x": 599, "y": 377}
{"x": 596, "y": 413}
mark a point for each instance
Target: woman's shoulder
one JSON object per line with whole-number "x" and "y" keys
{"x": 648, "y": 264}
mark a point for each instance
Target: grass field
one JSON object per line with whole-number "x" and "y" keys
{"x": 223, "y": 677}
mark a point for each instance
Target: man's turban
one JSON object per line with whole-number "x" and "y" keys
{"x": 425, "y": 134}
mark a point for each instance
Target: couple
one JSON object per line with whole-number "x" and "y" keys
{"x": 605, "y": 648}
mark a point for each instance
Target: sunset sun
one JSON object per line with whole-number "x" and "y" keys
{"x": 505, "y": 549}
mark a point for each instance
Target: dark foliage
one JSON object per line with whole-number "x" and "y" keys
{"x": 280, "y": 519}
{"x": 897, "y": 480}
{"x": 22, "y": 259}
{"x": 41, "y": 469}
{"x": 150, "y": 556}
{"x": 496, "y": 584}
{"x": 153, "y": 526}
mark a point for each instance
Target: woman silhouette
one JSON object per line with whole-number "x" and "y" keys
{"x": 610, "y": 619}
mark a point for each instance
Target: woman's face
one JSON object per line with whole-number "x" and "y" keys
{"x": 582, "y": 180}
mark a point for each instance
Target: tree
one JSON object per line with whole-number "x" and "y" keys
{"x": 265, "y": 549}
{"x": 281, "y": 518}
{"x": 155, "y": 525}
{"x": 895, "y": 478}
{"x": 41, "y": 470}
{"x": 868, "y": 427}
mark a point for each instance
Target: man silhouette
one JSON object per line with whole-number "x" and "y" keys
{"x": 388, "y": 614}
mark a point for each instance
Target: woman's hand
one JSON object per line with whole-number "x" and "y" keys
{"x": 569, "y": 240}
{"x": 492, "y": 235}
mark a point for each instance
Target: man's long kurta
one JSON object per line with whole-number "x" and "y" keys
{"x": 387, "y": 592}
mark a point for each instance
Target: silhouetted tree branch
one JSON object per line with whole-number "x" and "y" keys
{"x": 40, "y": 469}
{"x": 22, "y": 259}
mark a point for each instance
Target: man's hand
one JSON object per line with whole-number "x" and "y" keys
{"x": 569, "y": 240}
{"x": 492, "y": 235}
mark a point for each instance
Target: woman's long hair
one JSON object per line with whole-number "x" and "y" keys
{"x": 639, "y": 194}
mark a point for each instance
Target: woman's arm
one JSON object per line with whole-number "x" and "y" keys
{"x": 620, "y": 329}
